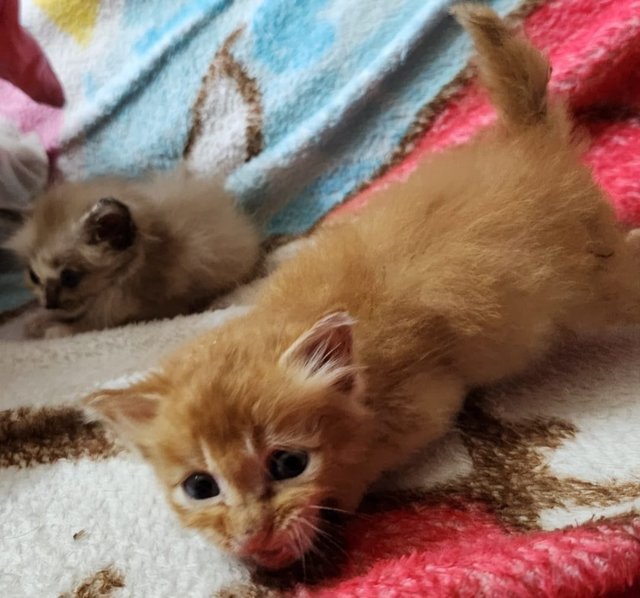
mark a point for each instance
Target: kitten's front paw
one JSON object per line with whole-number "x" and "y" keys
{"x": 41, "y": 325}
{"x": 36, "y": 325}
{"x": 58, "y": 330}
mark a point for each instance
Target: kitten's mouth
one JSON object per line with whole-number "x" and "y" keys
{"x": 288, "y": 545}
{"x": 298, "y": 539}
{"x": 276, "y": 558}
{"x": 65, "y": 311}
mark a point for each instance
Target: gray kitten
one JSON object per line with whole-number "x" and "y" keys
{"x": 111, "y": 251}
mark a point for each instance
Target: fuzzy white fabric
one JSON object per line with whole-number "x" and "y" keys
{"x": 116, "y": 503}
{"x": 592, "y": 384}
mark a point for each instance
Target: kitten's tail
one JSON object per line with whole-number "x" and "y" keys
{"x": 511, "y": 69}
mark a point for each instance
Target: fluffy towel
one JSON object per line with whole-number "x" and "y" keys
{"x": 535, "y": 493}
{"x": 302, "y": 102}
{"x": 556, "y": 450}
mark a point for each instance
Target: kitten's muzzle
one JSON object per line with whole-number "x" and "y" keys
{"x": 266, "y": 549}
{"x": 250, "y": 543}
{"x": 274, "y": 558}
{"x": 281, "y": 548}
{"x": 52, "y": 296}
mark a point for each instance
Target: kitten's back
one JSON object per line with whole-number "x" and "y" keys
{"x": 497, "y": 237}
{"x": 215, "y": 246}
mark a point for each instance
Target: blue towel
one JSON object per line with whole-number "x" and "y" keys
{"x": 299, "y": 102}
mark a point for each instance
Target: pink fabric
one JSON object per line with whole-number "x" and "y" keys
{"x": 28, "y": 115}
{"x": 31, "y": 95}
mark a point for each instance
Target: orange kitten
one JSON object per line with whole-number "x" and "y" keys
{"x": 362, "y": 346}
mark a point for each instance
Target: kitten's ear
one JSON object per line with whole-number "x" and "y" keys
{"x": 326, "y": 350}
{"x": 128, "y": 412}
{"x": 110, "y": 221}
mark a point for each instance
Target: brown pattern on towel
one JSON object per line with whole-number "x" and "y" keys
{"x": 511, "y": 474}
{"x": 30, "y": 436}
{"x": 99, "y": 585}
{"x": 225, "y": 64}
{"x": 247, "y": 590}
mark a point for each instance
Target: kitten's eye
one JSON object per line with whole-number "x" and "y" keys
{"x": 33, "y": 276}
{"x": 70, "y": 278}
{"x": 287, "y": 464}
{"x": 200, "y": 486}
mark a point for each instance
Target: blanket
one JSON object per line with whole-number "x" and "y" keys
{"x": 299, "y": 103}
{"x": 473, "y": 516}
{"x": 534, "y": 493}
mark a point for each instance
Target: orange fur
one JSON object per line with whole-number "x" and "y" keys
{"x": 361, "y": 347}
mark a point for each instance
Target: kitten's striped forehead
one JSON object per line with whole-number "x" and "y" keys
{"x": 250, "y": 445}
{"x": 238, "y": 467}
{"x": 49, "y": 255}
{"x": 208, "y": 457}
{"x": 43, "y": 266}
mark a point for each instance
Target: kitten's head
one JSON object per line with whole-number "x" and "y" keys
{"x": 255, "y": 438}
{"x": 78, "y": 237}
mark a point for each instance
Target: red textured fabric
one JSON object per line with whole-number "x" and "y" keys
{"x": 446, "y": 551}
{"x": 594, "y": 47}
{"x": 465, "y": 552}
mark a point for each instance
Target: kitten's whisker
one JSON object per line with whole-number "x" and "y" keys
{"x": 323, "y": 508}
{"x": 354, "y": 514}
{"x": 301, "y": 552}
{"x": 324, "y": 535}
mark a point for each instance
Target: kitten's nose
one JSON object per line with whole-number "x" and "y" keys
{"x": 251, "y": 542}
{"x": 52, "y": 296}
